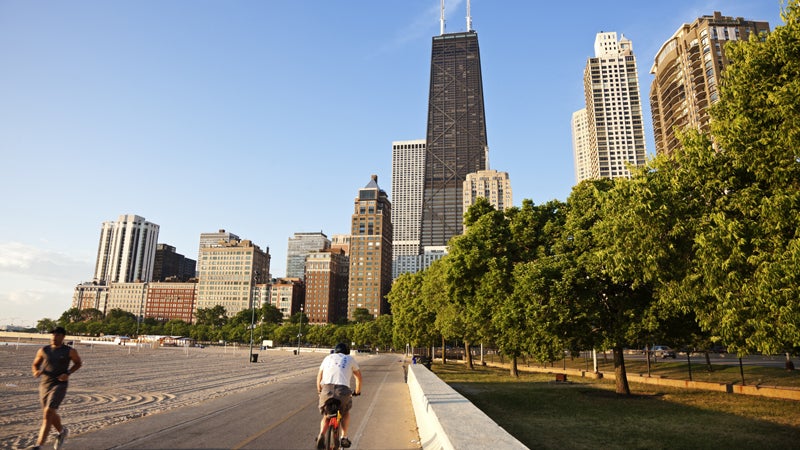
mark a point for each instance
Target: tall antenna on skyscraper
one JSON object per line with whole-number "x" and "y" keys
{"x": 441, "y": 20}
{"x": 469, "y": 19}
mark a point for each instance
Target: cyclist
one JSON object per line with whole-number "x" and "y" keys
{"x": 333, "y": 381}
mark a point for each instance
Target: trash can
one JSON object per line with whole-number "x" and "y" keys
{"x": 254, "y": 358}
{"x": 425, "y": 361}
{"x": 294, "y": 351}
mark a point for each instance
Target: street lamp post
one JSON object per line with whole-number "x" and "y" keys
{"x": 253, "y": 312}
{"x": 300, "y": 334}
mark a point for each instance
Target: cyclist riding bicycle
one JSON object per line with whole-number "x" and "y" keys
{"x": 333, "y": 381}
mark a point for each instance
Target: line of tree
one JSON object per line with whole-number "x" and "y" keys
{"x": 214, "y": 325}
{"x": 696, "y": 248}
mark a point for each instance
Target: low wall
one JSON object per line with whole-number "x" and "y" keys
{"x": 787, "y": 393}
{"x": 447, "y": 420}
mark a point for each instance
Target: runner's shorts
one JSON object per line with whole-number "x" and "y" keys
{"x": 337, "y": 391}
{"x": 51, "y": 394}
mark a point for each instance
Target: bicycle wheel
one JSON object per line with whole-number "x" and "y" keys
{"x": 332, "y": 438}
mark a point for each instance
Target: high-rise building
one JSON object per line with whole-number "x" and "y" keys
{"x": 217, "y": 239}
{"x": 580, "y": 147}
{"x": 614, "y": 129}
{"x": 490, "y": 184}
{"x": 687, "y": 74}
{"x": 370, "y": 251}
{"x": 300, "y": 245}
{"x": 456, "y": 141}
{"x": 127, "y": 250}
{"x": 408, "y": 179}
{"x": 172, "y": 265}
{"x": 228, "y": 274}
{"x": 326, "y": 286}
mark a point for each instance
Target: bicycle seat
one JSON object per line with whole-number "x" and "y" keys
{"x": 332, "y": 406}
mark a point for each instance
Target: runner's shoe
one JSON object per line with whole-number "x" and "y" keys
{"x": 61, "y": 438}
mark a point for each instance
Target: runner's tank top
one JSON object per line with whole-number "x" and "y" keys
{"x": 56, "y": 361}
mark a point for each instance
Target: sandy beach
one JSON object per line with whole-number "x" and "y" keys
{"x": 121, "y": 383}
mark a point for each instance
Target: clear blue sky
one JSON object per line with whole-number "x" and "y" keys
{"x": 265, "y": 117}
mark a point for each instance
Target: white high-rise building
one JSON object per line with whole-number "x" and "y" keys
{"x": 580, "y": 146}
{"x": 490, "y": 184}
{"x": 408, "y": 181}
{"x": 614, "y": 128}
{"x": 127, "y": 250}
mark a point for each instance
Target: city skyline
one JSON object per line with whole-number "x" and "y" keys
{"x": 237, "y": 117}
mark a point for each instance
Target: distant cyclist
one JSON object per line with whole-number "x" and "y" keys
{"x": 333, "y": 381}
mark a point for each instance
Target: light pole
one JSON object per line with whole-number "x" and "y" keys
{"x": 253, "y": 312}
{"x": 300, "y": 334}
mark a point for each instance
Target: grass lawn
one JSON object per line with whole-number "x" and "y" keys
{"x": 586, "y": 413}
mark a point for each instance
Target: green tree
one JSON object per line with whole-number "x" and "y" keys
{"x": 482, "y": 248}
{"x": 215, "y": 317}
{"x": 271, "y": 314}
{"x": 533, "y": 233}
{"x": 45, "y": 325}
{"x": 413, "y": 318}
{"x": 361, "y": 315}
{"x": 749, "y": 248}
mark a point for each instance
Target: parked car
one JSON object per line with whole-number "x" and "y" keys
{"x": 662, "y": 351}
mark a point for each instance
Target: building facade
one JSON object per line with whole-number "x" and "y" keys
{"x": 300, "y": 245}
{"x": 90, "y": 296}
{"x": 341, "y": 241}
{"x": 129, "y": 297}
{"x": 288, "y": 295}
{"x": 127, "y": 250}
{"x": 172, "y": 265}
{"x": 456, "y": 142}
{"x": 370, "y": 251}
{"x": 687, "y": 72}
{"x": 490, "y": 184}
{"x": 614, "y": 131}
{"x": 227, "y": 274}
{"x": 171, "y": 301}
{"x": 585, "y": 165}
{"x": 408, "y": 180}
{"x": 327, "y": 277}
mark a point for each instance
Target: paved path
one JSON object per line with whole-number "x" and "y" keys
{"x": 281, "y": 415}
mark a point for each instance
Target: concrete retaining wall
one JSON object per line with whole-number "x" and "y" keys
{"x": 448, "y": 421}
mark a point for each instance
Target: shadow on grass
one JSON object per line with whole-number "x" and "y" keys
{"x": 584, "y": 414}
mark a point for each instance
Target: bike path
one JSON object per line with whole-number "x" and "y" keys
{"x": 281, "y": 415}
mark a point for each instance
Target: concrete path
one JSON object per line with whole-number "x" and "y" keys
{"x": 281, "y": 415}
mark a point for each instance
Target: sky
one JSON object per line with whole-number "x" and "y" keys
{"x": 264, "y": 118}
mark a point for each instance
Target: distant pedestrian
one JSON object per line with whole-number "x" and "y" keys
{"x": 52, "y": 366}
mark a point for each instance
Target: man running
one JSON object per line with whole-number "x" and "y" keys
{"x": 52, "y": 365}
{"x": 333, "y": 381}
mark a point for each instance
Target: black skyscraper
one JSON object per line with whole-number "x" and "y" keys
{"x": 456, "y": 140}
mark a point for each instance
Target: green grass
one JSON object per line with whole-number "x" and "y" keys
{"x": 587, "y": 414}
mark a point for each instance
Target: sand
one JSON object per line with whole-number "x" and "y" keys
{"x": 117, "y": 383}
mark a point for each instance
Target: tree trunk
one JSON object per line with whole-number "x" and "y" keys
{"x": 514, "y": 371}
{"x": 468, "y": 355}
{"x": 444, "y": 353}
{"x": 708, "y": 363}
{"x": 619, "y": 372}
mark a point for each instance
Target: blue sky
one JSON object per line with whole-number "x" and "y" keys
{"x": 265, "y": 117}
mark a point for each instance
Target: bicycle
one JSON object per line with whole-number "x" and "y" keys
{"x": 333, "y": 418}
